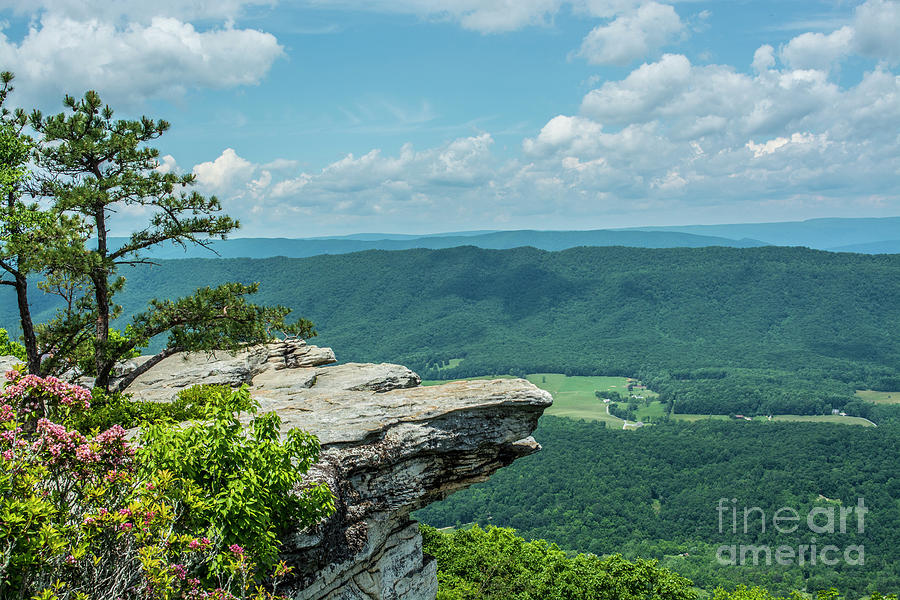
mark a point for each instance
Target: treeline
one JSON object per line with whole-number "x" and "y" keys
{"x": 714, "y": 330}
{"x": 655, "y": 492}
{"x": 497, "y": 564}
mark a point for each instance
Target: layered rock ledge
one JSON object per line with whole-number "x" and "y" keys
{"x": 389, "y": 446}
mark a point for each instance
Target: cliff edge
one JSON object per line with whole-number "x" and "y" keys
{"x": 389, "y": 446}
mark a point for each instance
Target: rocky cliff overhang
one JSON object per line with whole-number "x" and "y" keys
{"x": 389, "y": 446}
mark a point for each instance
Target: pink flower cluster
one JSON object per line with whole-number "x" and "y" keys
{"x": 108, "y": 455}
{"x": 113, "y": 447}
{"x": 200, "y": 544}
{"x": 58, "y": 441}
{"x": 29, "y": 392}
{"x": 190, "y": 586}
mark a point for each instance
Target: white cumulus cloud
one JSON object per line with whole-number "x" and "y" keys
{"x": 817, "y": 50}
{"x": 797, "y": 139}
{"x": 221, "y": 174}
{"x": 131, "y": 60}
{"x": 872, "y": 32}
{"x": 632, "y": 35}
{"x": 876, "y": 24}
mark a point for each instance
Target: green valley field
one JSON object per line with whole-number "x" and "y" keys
{"x": 575, "y": 397}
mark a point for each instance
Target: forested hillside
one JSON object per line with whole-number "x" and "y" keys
{"x": 716, "y": 330}
{"x": 653, "y": 493}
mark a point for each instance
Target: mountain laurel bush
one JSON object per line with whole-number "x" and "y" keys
{"x": 189, "y": 512}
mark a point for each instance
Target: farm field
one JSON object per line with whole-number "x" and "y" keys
{"x": 695, "y": 417}
{"x": 879, "y": 397}
{"x": 783, "y": 418}
{"x": 451, "y": 364}
{"x": 654, "y": 410}
{"x": 825, "y": 419}
{"x": 574, "y": 397}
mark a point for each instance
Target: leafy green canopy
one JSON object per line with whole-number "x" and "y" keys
{"x": 496, "y": 564}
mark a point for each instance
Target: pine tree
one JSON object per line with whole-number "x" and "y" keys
{"x": 91, "y": 166}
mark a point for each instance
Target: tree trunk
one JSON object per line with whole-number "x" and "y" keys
{"x": 100, "y": 279}
{"x": 31, "y": 348}
{"x": 20, "y": 282}
{"x": 128, "y": 379}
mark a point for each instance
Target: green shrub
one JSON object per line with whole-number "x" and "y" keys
{"x": 239, "y": 482}
{"x": 93, "y": 517}
{"x": 10, "y": 347}
{"x": 117, "y": 408}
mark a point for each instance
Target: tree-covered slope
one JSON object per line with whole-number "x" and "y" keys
{"x": 715, "y": 329}
{"x": 496, "y": 564}
{"x": 654, "y": 493}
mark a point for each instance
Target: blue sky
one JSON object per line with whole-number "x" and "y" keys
{"x": 413, "y": 116}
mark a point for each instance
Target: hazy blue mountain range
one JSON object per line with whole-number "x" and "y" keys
{"x": 496, "y": 240}
{"x": 882, "y": 247}
{"x": 401, "y": 236}
{"x": 865, "y": 236}
{"x": 821, "y": 234}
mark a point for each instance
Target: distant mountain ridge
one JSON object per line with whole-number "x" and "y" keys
{"x": 819, "y": 234}
{"x": 497, "y": 240}
{"x": 862, "y": 235}
{"x": 882, "y": 247}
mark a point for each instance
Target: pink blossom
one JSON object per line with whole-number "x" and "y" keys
{"x": 236, "y": 550}
{"x": 85, "y": 454}
{"x": 29, "y": 389}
